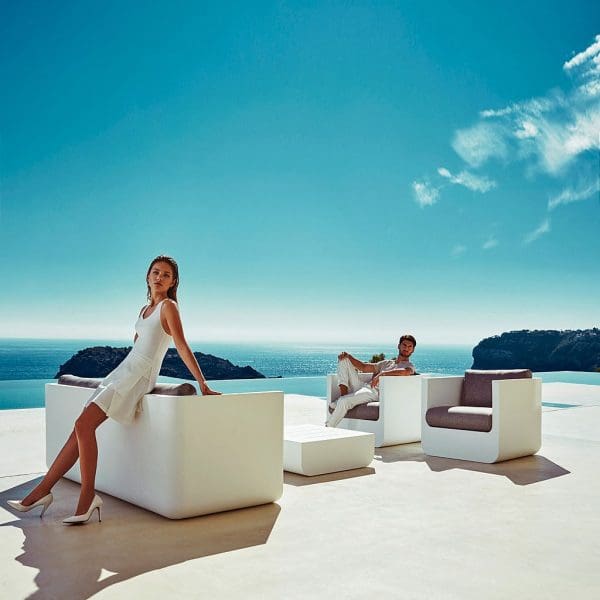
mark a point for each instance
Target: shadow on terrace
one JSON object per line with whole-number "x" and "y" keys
{"x": 521, "y": 471}
{"x": 129, "y": 542}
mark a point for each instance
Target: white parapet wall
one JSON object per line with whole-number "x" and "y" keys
{"x": 183, "y": 456}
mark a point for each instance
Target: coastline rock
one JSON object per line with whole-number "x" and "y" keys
{"x": 540, "y": 350}
{"x": 99, "y": 361}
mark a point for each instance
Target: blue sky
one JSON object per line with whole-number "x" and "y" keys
{"x": 322, "y": 171}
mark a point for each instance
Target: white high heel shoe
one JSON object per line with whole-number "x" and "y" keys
{"x": 84, "y": 518}
{"x": 46, "y": 501}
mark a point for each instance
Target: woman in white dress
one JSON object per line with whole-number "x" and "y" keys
{"x": 120, "y": 392}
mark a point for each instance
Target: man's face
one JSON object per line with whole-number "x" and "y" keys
{"x": 406, "y": 348}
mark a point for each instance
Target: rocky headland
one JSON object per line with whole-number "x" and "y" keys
{"x": 99, "y": 361}
{"x": 540, "y": 350}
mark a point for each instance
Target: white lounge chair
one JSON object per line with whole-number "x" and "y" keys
{"x": 395, "y": 419}
{"x": 485, "y": 416}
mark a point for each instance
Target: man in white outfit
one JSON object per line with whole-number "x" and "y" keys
{"x": 354, "y": 391}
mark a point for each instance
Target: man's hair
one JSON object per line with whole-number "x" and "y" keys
{"x": 410, "y": 338}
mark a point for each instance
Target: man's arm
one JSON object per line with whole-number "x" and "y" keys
{"x": 358, "y": 364}
{"x": 398, "y": 372}
{"x": 392, "y": 373}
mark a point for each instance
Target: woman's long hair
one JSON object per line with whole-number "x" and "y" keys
{"x": 172, "y": 291}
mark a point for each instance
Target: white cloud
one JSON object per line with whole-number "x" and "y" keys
{"x": 560, "y": 143}
{"x": 550, "y": 147}
{"x": 590, "y": 89}
{"x": 528, "y": 130}
{"x": 488, "y": 113}
{"x": 584, "y": 133}
{"x": 425, "y": 193}
{"x": 554, "y": 130}
{"x": 582, "y": 57}
{"x": 536, "y": 233}
{"x": 556, "y": 138}
{"x": 477, "y": 183}
{"x": 491, "y": 242}
{"x": 557, "y": 133}
{"x": 569, "y": 195}
{"x": 477, "y": 144}
{"x": 589, "y": 75}
{"x": 533, "y": 106}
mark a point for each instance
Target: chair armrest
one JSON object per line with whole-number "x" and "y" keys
{"x": 333, "y": 391}
{"x": 400, "y": 401}
{"x": 517, "y": 416}
{"x": 392, "y": 389}
{"x": 441, "y": 391}
{"x": 516, "y": 399}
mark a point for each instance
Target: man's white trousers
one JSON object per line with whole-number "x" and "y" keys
{"x": 359, "y": 392}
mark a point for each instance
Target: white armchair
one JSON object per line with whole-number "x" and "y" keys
{"x": 486, "y": 416}
{"x": 395, "y": 419}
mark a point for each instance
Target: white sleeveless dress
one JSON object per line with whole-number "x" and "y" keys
{"x": 120, "y": 393}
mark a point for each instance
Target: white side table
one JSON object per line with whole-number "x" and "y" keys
{"x": 314, "y": 449}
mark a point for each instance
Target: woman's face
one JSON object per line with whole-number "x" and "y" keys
{"x": 160, "y": 278}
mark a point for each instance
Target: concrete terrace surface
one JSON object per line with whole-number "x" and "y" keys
{"x": 407, "y": 526}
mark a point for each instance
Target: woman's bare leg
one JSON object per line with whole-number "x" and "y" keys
{"x": 85, "y": 431}
{"x": 65, "y": 459}
{"x": 88, "y": 422}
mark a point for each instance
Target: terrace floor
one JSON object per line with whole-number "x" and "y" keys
{"x": 408, "y": 526}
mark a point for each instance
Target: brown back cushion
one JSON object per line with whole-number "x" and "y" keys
{"x": 88, "y": 382}
{"x": 477, "y": 385}
{"x": 165, "y": 389}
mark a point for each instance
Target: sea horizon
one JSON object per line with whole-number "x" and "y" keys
{"x": 26, "y": 365}
{"x": 40, "y": 358}
{"x": 278, "y": 342}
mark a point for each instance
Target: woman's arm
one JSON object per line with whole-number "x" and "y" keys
{"x": 172, "y": 324}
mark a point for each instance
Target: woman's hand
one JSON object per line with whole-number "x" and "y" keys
{"x": 206, "y": 391}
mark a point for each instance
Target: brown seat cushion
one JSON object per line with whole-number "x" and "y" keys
{"x": 477, "y": 385}
{"x": 164, "y": 389}
{"x": 366, "y": 412}
{"x": 473, "y": 418}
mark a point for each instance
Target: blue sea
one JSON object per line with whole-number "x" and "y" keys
{"x": 41, "y": 359}
{"x": 26, "y": 365}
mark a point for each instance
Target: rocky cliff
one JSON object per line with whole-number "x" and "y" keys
{"x": 101, "y": 360}
{"x": 545, "y": 350}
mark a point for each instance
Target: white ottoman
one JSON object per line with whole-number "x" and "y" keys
{"x": 314, "y": 449}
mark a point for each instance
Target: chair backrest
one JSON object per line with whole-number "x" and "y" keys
{"x": 477, "y": 385}
{"x": 163, "y": 389}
